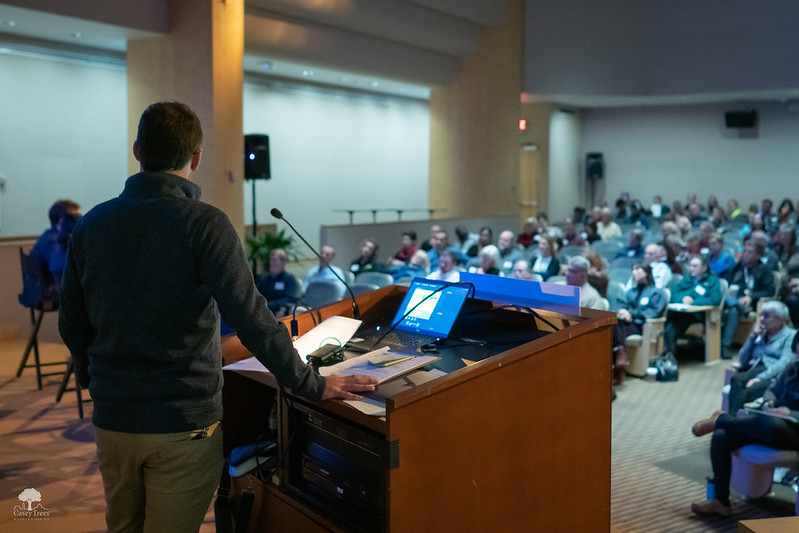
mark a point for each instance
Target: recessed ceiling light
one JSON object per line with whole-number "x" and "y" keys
{"x": 8, "y": 23}
{"x": 75, "y": 34}
{"x": 375, "y": 84}
{"x": 307, "y": 73}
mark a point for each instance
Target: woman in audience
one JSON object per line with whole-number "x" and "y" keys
{"x": 640, "y": 302}
{"x": 783, "y": 243}
{"x": 489, "y": 259}
{"x": 731, "y": 433}
{"x": 591, "y": 232}
{"x": 546, "y": 264}
{"x": 486, "y": 237}
{"x": 598, "y": 276}
{"x": 368, "y": 258}
{"x": 785, "y": 212}
{"x": 418, "y": 266}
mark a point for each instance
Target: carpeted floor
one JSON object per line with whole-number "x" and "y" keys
{"x": 658, "y": 466}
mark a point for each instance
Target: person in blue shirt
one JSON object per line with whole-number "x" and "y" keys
{"x": 321, "y": 272}
{"x": 278, "y": 286}
{"x": 720, "y": 260}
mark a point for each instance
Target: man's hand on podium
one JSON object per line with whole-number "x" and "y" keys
{"x": 341, "y": 386}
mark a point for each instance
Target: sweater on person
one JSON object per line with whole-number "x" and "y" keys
{"x": 147, "y": 276}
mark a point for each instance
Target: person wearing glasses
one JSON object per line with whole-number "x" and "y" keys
{"x": 699, "y": 287}
{"x": 767, "y": 350}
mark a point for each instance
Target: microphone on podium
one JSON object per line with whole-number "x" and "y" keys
{"x": 356, "y": 313}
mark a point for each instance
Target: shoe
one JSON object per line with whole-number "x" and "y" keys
{"x": 621, "y": 358}
{"x": 712, "y": 506}
{"x": 708, "y": 425}
{"x": 727, "y": 352}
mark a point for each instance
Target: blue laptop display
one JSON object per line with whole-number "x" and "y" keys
{"x": 435, "y": 315}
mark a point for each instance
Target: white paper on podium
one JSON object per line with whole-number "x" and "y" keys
{"x": 335, "y": 330}
{"x": 360, "y": 365}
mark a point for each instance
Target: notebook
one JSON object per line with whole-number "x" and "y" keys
{"x": 430, "y": 320}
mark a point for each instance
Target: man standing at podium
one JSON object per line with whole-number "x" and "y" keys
{"x": 148, "y": 274}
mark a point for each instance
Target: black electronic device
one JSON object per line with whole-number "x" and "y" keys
{"x": 740, "y": 119}
{"x": 326, "y": 355}
{"x": 594, "y": 166}
{"x": 256, "y": 157}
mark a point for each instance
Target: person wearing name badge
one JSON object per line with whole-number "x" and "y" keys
{"x": 278, "y": 286}
{"x": 546, "y": 264}
{"x": 766, "y": 351}
{"x": 699, "y": 287}
{"x": 644, "y": 300}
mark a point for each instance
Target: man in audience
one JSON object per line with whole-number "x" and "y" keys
{"x": 508, "y": 252}
{"x": 465, "y": 239}
{"x": 446, "y": 268}
{"x": 148, "y": 275}
{"x": 658, "y": 209}
{"x": 522, "y": 270}
{"x": 695, "y": 215}
{"x": 428, "y": 245}
{"x": 655, "y": 256}
{"x": 699, "y": 287}
{"x": 48, "y": 241}
{"x": 700, "y": 243}
{"x": 635, "y": 247}
{"x": 720, "y": 259}
{"x": 749, "y": 281}
{"x": 606, "y": 227}
{"x": 485, "y": 238}
{"x": 771, "y": 221}
{"x": 577, "y": 276}
{"x": 769, "y": 258}
{"x": 278, "y": 286}
{"x": 529, "y": 234}
{"x": 571, "y": 235}
{"x": 321, "y": 272}
{"x": 440, "y": 243}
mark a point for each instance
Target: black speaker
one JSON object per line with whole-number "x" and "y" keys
{"x": 594, "y": 166}
{"x": 256, "y": 157}
{"x": 740, "y": 119}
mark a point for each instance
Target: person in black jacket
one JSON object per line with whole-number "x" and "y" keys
{"x": 147, "y": 276}
{"x": 731, "y": 433}
{"x": 749, "y": 280}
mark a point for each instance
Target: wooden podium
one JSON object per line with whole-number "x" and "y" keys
{"x": 519, "y": 441}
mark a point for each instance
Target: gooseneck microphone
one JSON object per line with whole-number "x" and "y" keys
{"x": 356, "y": 313}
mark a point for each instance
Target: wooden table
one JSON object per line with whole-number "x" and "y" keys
{"x": 712, "y": 326}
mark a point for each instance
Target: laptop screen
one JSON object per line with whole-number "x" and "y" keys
{"x": 435, "y": 315}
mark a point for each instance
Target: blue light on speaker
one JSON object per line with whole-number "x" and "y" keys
{"x": 252, "y": 157}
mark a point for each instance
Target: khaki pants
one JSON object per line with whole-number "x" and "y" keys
{"x": 159, "y": 482}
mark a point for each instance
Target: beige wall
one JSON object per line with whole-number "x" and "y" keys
{"x": 474, "y": 146}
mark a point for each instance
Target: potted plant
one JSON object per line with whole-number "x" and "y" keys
{"x": 261, "y": 246}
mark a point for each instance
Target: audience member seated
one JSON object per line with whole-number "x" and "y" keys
{"x": 48, "y": 241}
{"x": 547, "y": 230}
{"x": 635, "y": 248}
{"x": 546, "y": 264}
{"x": 658, "y": 209}
{"x": 427, "y": 245}
{"x": 465, "y": 240}
{"x": 769, "y": 257}
{"x": 712, "y": 203}
{"x": 529, "y": 234}
{"x": 783, "y": 244}
{"x": 58, "y": 257}
{"x": 731, "y": 433}
{"x": 598, "y": 273}
{"x": 734, "y": 211}
{"x": 571, "y": 235}
{"x": 577, "y": 276}
{"x": 719, "y": 219}
{"x": 749, "y": 281}
{"x": 409, "y": 247}
{"x": 440, "y": 242}
{"x": 699, "y": 287}
{"x": 637, "y": 215}
{"x": 367, "y": 260}
{"x": 485, "y": 238}
{"x": 720, "y": 259}
{"x": 606, "y": 227}
{"x": 695, "y": 215}
{"x": 691, "y": 198}
{"x": 521, "y": 270}
{"x": 771, "y": 221}
{"x": 668, "y": 228}
{"x": 321, "y": 272}
{"x": 508, "y": 252}
{"x": 418, "y": 266}
{"x": 767, "y": 350}
{"x": 790, "y": 291}
{"x": 785, "y": 212}
{"x": 489, "y": 258}
{"x": 446, "y": 268}
{"x": 700, "y": 243}
{"x": 676, "y": 254}
{"x": 655, "y": 256}
{"x": 642, "y": 301}
{"x": 592, "y": 232}
{"x": 278, "y": 286}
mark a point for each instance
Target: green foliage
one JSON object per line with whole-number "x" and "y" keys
{"x": 262, "y": 245}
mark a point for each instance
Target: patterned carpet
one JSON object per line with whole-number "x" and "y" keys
{"x": 659, "y": 467}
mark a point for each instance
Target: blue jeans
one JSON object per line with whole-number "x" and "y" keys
{"x": 734, "y": 312}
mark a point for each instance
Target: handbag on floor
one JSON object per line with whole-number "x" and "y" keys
{"x": 667, "y": 367}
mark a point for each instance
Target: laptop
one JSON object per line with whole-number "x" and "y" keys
{"x": 431, "y": 312}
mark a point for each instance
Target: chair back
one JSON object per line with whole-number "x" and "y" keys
{"x": 624, "y": 262}
{"x": 361, "y": 288}
{"x": 322, "y": 293}
{"x": 39, "y": 289}
{"x": 619, "y": 274}
{"x": 381, "y": 279}
{"x": 615, "y": 295}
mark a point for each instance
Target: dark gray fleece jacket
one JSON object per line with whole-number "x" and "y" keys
{"x": 147, "y": 277}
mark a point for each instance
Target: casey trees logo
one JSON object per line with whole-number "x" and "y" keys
{"x": 27, "y": 510}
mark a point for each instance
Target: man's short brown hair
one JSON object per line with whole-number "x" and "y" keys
{"x": 169, "y": 133}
